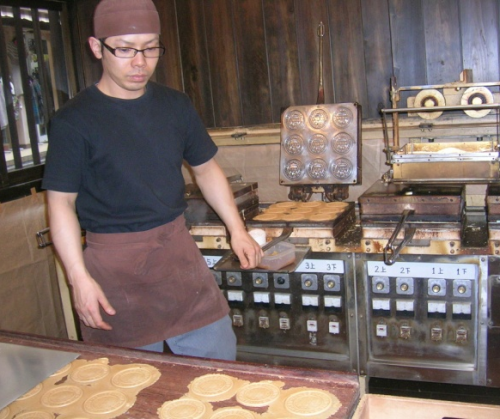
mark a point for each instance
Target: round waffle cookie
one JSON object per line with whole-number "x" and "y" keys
{"x": 212, "y": 386}
{"x": 258, "y": 394}
{"x": 275, "y": 210}
{"x": 310, "y": 402}
{"x": 89, "y": 373}
{"x": 62, "y": 371}
{"x": 33, "y": 392}
{"x": 311, "y": 204}
{"x": 319, "y": 216}
{"x": 232, "y": 413}
{"x": 336, "y": 204}
{"x": 4, "y": 413}
{"x": 285, "y": 204}
{"x": 185, "y": 408}
{"x": 105, "y": 402}
{"x": 293, "y": 216}
{"x": 134, "y": 376}
{"x": 63, "y": 395}
{"x": 35, "y": 414}
{"x": 266, "y": 217}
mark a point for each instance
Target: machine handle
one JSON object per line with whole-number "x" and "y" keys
{"x": 391, "y": 254}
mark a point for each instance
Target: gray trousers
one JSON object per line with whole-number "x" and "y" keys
{"x": 215, "y": 341}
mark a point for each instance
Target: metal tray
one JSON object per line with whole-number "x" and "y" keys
{"x": 232, "y": 264}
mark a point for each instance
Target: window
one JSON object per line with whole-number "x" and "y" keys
{"x": 33, "y": 85}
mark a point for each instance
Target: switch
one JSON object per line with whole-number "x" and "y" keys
{"x": 334, "y": 327}
{"x": 436, "y": 287}
{"x": 284, "y": 322}
{"x": 309, "y": 282}
{"x": 405, "y": 305}
{"x": 462, "y": 288}
{"x": 380, "y": 285}
{"x": 264, "y": 322}
{"x": 381, "y": 330}
{"x": 237, "y": 320}
{"x": 333, "y": 301}
{"x": 234, "y": 279}
{"x": 281, "y": 281}
{"x": 217, "y": 277}
{"x": 461, "y": 335}
{"x": 310, "y": 300}
{"x": 436, "y": 307}
{"x": 312, "y": 325}
{"x": 280, "y": 298}
{"x": 405, "y": 331}
{"x": 405, "y": 286}
{"x": 436, "y": 333}
{"x": 383, "y": 304}
{"x": 261, "y": 297}
{"x": 462, "y": 311}
{"x": 260, "y": 280}
{"x": 235, "y": 295}
{"x": 331, "y": 283}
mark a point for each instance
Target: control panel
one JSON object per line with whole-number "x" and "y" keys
{"x": 302, "y": 318}
{"x": 422, "y": 313}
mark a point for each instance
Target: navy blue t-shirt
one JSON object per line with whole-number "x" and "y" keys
{"x": 124, "y": 157}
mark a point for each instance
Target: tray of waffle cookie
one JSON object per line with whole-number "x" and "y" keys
{"x": 305, "y": 214}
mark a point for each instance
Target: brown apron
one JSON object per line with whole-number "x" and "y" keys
{"x": 157, "y": 281}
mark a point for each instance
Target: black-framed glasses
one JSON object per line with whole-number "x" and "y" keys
{"x": 128, "y": 52}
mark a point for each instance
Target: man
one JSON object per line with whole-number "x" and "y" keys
{"x": 114, "y": 169}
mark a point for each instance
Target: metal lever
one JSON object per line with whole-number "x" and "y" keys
{"x": 391, "y": 254}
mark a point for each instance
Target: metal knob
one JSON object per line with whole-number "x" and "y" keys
{"x": 436, "y": 288}
{"x": 404, "y": 287}
{"x": 330, "y": 284}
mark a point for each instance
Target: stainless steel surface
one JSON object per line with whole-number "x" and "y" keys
{"x": 23, "y": 368}
{"x": 423, "y": 318}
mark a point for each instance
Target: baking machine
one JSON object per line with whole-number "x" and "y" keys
{"x": 427, "y": 281}
{"x": 403, "y": 285}
{"x": 303, "y": 314}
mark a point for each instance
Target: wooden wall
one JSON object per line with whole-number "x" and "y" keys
{"x": 242, "y": 61}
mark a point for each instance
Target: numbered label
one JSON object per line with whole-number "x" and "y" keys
{"x": 423, "y": 270}
{"x": 321, "y": 265}
{"x": 211, "y": 260}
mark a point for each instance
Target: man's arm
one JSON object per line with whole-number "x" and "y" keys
{"x": 66, "y": 234}
{"x": 216, "y": 190}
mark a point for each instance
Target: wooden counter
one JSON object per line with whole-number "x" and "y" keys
{"x": 178, "y": 372}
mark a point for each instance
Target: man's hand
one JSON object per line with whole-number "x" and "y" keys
{"x": 88, "y": 297}
{"x": 246, "y": 248}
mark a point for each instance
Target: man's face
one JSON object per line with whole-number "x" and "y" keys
{"x": 125, "y": 78}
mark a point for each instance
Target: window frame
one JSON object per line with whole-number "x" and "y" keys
{"x": 23, "y": 179}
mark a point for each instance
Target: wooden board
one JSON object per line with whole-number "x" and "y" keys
{"x": 178, "y": 372}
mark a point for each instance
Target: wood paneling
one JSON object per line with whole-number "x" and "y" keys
{"x": 169, "y": 70}
{"x": 243, "y": 61}
{"x": 442, "y": 41}
{"x": 195, "y": 62}
{"x": 479, "y": 23}
{"x": 282, "y": 53}
{"x": 408, "y": 46}
{"x": 310, "y": 14}
{"x": 347, "y": 51}
{"x": 253, "y": 67}
{"x": 377, "y": 54}
{"x": 223, "y": 63}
